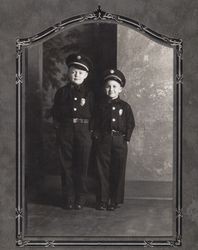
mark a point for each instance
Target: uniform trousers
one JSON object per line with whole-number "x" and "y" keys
{"x": 74, "y": 146}
{"x": 111, "y": 155}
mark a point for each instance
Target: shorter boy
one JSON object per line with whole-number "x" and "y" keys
{"x": 114, "y": 124}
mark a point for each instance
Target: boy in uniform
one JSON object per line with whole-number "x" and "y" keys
{"x": 113, "y": 129}
{"x": 72, "y": 112}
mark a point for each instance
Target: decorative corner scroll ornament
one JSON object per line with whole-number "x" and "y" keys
{"x": 148, "y": 243}
{"x": 58, "y": 27}
{"x": 179, "y": 213}
{"x": 18, "y": 49}
{"x": 179, "y": 59}
{"x": 171, "y": 244}
{"x": 19, "y": 79}
{"x": 180, "y": 48}
{"x": 19, "y": 213}
{"x": 20, "y": 242}
{"x": 141, "y": 27}
{"x": 50, "y": 243}
{"x": 25, "y": 42}
{"x": 179, "y": 79}
{"x": 178, "y": 241}
{"x": 100, "y": 15}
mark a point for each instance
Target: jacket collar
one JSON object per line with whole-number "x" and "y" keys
{"x": 109, "y": 100}
{"x": 81, "y": 88}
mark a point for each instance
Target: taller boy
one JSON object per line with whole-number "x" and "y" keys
{"x": 72, "y": 112}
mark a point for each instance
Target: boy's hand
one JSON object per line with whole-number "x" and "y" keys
{"x": 95, "y": 135}
{"x": 56, "y": 124}
{"x": 126, "y": 141}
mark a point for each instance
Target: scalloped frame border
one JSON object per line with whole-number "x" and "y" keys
{"x": 99, "y": 16}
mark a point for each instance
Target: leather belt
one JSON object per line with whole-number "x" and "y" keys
{"x": 116, "y": 133}
{"x": 80, "y": 120}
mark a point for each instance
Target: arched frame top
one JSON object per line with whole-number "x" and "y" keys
{"x": 99, "y": 16}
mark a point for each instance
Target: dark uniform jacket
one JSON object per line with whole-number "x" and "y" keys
{"x": 72, "y": 102}
{"x": 114, "y": 115}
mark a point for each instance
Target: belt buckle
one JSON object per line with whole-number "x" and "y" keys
{"x": 75, "y": 120}
{"x": 116, "y": 133}
{"x": 113, "y": 132}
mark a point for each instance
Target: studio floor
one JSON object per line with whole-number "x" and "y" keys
{"x": 140, "y": 215}
{"x": 134, "y": 218}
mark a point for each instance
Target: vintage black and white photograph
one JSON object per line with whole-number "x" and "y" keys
{"x": 100, "y": 133}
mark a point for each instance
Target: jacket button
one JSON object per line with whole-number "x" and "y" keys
{"x": 113, "y": 120}
{"x": 75, "y": 109}
{"x": 113, "y": 108}
{"x": 75, "y": 98}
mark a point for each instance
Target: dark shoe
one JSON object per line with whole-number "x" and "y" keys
{"x": 80, "y": 202}
{"x": 111, "y": 207}
{"x": 101, "y": 206}
{"x": 78, "y": 206}
{"x": 69, "y": 205}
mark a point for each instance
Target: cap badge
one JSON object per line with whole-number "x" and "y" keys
{"x": 112, "y": 71}
{"x": 120, "y": 112}
{"x": 82, "y": 102}
{"x": 78, "y": 57}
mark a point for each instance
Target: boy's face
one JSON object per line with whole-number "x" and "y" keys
{"x": 112, "y": 89}
{"x": 77, "y": 76}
